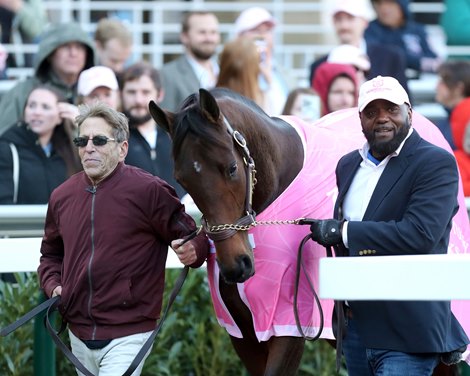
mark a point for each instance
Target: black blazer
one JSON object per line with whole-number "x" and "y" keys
{"x": 410, "y": 212}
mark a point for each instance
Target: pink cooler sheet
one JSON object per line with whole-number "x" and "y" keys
{"x": 269, "y": 293}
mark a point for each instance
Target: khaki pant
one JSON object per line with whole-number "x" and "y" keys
{"x": 113, "y": 359}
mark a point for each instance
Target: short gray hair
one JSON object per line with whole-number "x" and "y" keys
{"x": 117, "y": 120}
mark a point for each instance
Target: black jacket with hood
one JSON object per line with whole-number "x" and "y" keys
{"x": 39, "y": 174}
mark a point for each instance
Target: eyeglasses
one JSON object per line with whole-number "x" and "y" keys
{"x": 81, "y": 142}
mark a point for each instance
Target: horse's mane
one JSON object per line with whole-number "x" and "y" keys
{"x": 190, "y": 121}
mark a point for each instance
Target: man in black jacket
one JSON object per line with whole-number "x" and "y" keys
{"x": 149, "y": 145}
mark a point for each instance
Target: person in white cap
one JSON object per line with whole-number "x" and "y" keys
{"x": 351, "y": 55}
{"x": 258, "y": 24}
{"x": 396, "y": 196}
{"x": 350, "y": 20}
{"x": 98, "y": 84}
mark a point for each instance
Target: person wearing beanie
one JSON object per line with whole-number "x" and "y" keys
{"x": 336, "y": 85}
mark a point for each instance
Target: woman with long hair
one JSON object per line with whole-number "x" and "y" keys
{"x": 240, "y": 69}
{"x": 37, "y": 153}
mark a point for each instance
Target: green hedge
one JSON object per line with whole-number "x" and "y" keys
{"x": 191, "y": 343}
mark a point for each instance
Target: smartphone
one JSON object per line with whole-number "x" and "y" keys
{"x": 262, "y": 49}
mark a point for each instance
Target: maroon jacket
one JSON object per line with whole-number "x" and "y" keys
{"x": 107, "y": 247}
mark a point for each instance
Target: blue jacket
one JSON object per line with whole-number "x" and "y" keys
{"x": 410, "y": 38}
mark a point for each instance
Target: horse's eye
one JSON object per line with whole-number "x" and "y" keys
{"x": 232, "y": 171}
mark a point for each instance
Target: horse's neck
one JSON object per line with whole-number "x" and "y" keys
{"x": 278, "y": 156}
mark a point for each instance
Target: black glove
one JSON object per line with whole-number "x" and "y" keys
{"x": 327, "y": 232}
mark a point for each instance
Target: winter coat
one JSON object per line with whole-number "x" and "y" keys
{"x": 107, "y": 245}
{"x": 410, "y": 38}
{"x": 39, "y": 174}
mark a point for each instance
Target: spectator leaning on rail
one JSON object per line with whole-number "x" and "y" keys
{"x": 105, "y": 245}
{"x": 64, "y": 51}
{"x": 396, "y": 196}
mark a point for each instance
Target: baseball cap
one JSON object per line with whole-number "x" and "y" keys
{"x": 356, "y": 8}
{"x": 387, "y": 88}
{"x": 349, "y": 54}
{"x": 251, "y": 18}
{"x": 95, "y": 77}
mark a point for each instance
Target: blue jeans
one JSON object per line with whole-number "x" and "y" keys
{"x": 361, "y": 361}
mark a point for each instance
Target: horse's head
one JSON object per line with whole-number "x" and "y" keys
{"x": 213, "y": 164}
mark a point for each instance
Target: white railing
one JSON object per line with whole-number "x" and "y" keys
{"x": 28, "y": 220}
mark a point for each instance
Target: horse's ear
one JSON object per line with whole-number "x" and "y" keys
{"x": 162, "y": 117}
{"x": 208, "y": 105}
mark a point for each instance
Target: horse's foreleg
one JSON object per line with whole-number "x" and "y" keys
{"x": 285, "y": 354}
{"x": 253, "y": 354}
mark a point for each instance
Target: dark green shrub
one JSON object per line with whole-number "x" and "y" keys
{"x": 16, "y": 349}
{"x": 191, "y": 342}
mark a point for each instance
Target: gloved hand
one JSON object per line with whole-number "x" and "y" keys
{"x": 327, "y": 232}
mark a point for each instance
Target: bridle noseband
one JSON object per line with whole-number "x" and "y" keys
{"x": 225, "y": 231}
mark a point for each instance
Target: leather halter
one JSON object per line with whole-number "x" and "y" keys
{"x": 225, "y": 231}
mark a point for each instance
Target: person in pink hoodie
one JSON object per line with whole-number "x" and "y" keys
{"x": 336, "y": 85}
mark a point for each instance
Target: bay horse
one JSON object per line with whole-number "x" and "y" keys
{"x": 224, "y": 144}
{"x": 236, "y": 163}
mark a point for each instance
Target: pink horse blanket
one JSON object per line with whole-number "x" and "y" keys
{"x": 270, "y": 292}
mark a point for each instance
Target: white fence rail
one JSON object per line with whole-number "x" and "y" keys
{"x": 22, "y": 255}
{"x": 413, "y": 277}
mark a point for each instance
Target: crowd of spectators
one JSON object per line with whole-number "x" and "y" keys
{"x": 375, "y": 37}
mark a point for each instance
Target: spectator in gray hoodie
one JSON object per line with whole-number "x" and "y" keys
{"x": 64, "y": 51}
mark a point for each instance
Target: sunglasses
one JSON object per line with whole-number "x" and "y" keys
{"x": 81, "y": 142}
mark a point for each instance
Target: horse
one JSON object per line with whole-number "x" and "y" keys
{"x": 215, "y": 165}
{"x": 236, "y": 162}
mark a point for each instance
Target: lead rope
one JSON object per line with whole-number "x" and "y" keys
{"x": 316, "y": 299}
{"x": 147, "y": 345}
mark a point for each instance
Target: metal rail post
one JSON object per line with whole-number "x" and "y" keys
{"x": 44, "y": 349}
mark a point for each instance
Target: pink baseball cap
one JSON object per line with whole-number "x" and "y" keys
{"x": 356, "y": 8}
{"x": 251, "y": 18}
{"x": 95, "y": 77}
{"x": 387, "y": 88}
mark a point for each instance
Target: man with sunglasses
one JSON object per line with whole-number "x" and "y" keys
{"x": 105, "y": 246}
